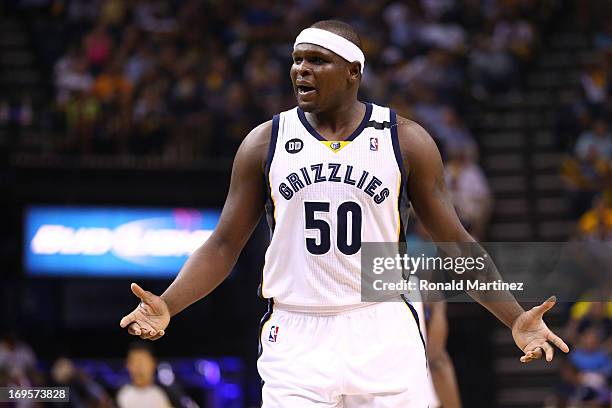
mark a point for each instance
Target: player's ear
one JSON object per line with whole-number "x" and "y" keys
{"x": 354, "y": 71}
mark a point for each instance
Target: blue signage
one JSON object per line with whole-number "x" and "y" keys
{"x": 113, "y": 241}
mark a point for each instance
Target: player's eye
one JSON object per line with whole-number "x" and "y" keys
{"x": 297, "y": 60}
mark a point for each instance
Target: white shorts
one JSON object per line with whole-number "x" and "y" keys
{"x": 369, "y": 357}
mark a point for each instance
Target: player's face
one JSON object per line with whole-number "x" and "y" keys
{"x": 320, "y": 78}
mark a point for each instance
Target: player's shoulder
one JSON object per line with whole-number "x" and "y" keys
{"x": 259, "y": 136}
{"x": 254, "y": 147}
{"x": 416, "y": 144}
{"x": 411, "y": 132}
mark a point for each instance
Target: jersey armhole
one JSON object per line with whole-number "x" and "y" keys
{"x": 269, "y": 204}
{"x": 403, "y": 200}
{"x": 396, "y": 145}
{"x": 272, "y": 146}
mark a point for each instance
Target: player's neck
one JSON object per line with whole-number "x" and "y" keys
{"x": 340, "y": 121}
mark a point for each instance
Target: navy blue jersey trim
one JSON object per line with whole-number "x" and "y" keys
{"x": 357, "y": 132}
{"x": 396, "y": 146}
{"x": 269, "y": 205}
{"x": 418, "y": 323}
{"x": 272, "y": 146}
{"x": 263, "y": 321}
{"x": 400, "y": 164}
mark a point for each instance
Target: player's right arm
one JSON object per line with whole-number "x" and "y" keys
{"x": 212, "y": 262}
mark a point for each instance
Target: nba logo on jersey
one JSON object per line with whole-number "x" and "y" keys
{"x": 374, "y": 143}
{"x": 335, "y": 145}
{"x": 273, "y": 334}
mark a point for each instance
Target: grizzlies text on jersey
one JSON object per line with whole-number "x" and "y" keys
{"x": 324, "y": 199}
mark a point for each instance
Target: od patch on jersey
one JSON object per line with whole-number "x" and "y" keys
{"x": 335, "y": 146}
{"x": 294, "y": 146}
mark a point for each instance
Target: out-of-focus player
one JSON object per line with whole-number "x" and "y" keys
{"x": 443, "y": 387}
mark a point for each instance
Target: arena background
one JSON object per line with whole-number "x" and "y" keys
{"x": 141, "y": 104}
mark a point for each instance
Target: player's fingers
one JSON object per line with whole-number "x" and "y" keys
{"x": 526, "y": 359}
{"x": 557, "y": 341}
{"x": 142, "y": 294}
{"x": 134, "y": 329}
{"x": 535, "y": 353}
{"x": 158, "y": 335}
{"x": 147, "y": 332}
{"x": 549, "y": 351}
{"x": 546, "y": 305}
{"x": 531, "y": 355}
{"x": 127, "y": 320}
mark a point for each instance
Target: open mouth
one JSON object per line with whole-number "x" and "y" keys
{"x": 303, "y": 89}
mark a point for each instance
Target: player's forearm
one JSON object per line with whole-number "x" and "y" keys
{"x": 501, "y": 303}
{"x": 445, "y": 382}
{"x": 205, "y": 269}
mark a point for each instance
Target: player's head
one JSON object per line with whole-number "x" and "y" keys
{"x": 141, "y": 364}
{"x": 327, "y": 65}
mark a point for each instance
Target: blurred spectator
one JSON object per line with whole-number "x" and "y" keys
{"x": 603, "y": 38}
{"x": 516, "y": 35}
{"x": 71, "y": 75}
{"x": 492, "y": 69}
{"x": 112, "y": 85}
{"x": 572, "y": 115}
{"x": 18, "y": 366}
{"x": 596, "y": 224}
{"x": 587, "y": 315}
{"x": 589, "y": 172}
{"x": 84, "y": 392}
{"x": 15, "y": 355}
{"x": 142, "y": 392}
{"x": 594, "y": 363}
{"x": 595, "y": 144}
{"x": 595, "y": 82}
{"x": 451, "y": 131}
{"x": 469, "y": 189}
{"x": 155, "y": 16}
{"x": 98, "y": 46}
{"x": 575, "y": 390}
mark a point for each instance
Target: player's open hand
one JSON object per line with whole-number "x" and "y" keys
{"x": 533, "y": 336}
{"x": 150, "y": 318}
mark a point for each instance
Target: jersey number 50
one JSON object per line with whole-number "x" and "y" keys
{"x": 342, "y": 228}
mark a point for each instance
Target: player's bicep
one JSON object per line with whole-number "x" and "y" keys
{"x": 246, "y": 196}
{"x": 427, "y": 187}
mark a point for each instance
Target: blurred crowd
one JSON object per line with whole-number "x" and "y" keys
{"x": 185, "y": 80}
{"x": 145, "y": 385}
{"x": 188, "y": 79}
{"x": 583, "y": 131}
{"x": 586, "y": 374}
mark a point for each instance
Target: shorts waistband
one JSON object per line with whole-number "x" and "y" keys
{"x": 331, "y": 310}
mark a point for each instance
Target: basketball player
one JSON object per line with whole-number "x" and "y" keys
{"x": 331, "y": 173}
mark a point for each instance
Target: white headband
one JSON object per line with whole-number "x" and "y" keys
{"x": 333, "y": 42}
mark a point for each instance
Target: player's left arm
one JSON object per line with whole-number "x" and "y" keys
{"x": 433, "y": 205}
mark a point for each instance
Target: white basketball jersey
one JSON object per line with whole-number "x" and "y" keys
{"x": 325, "y": 199}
